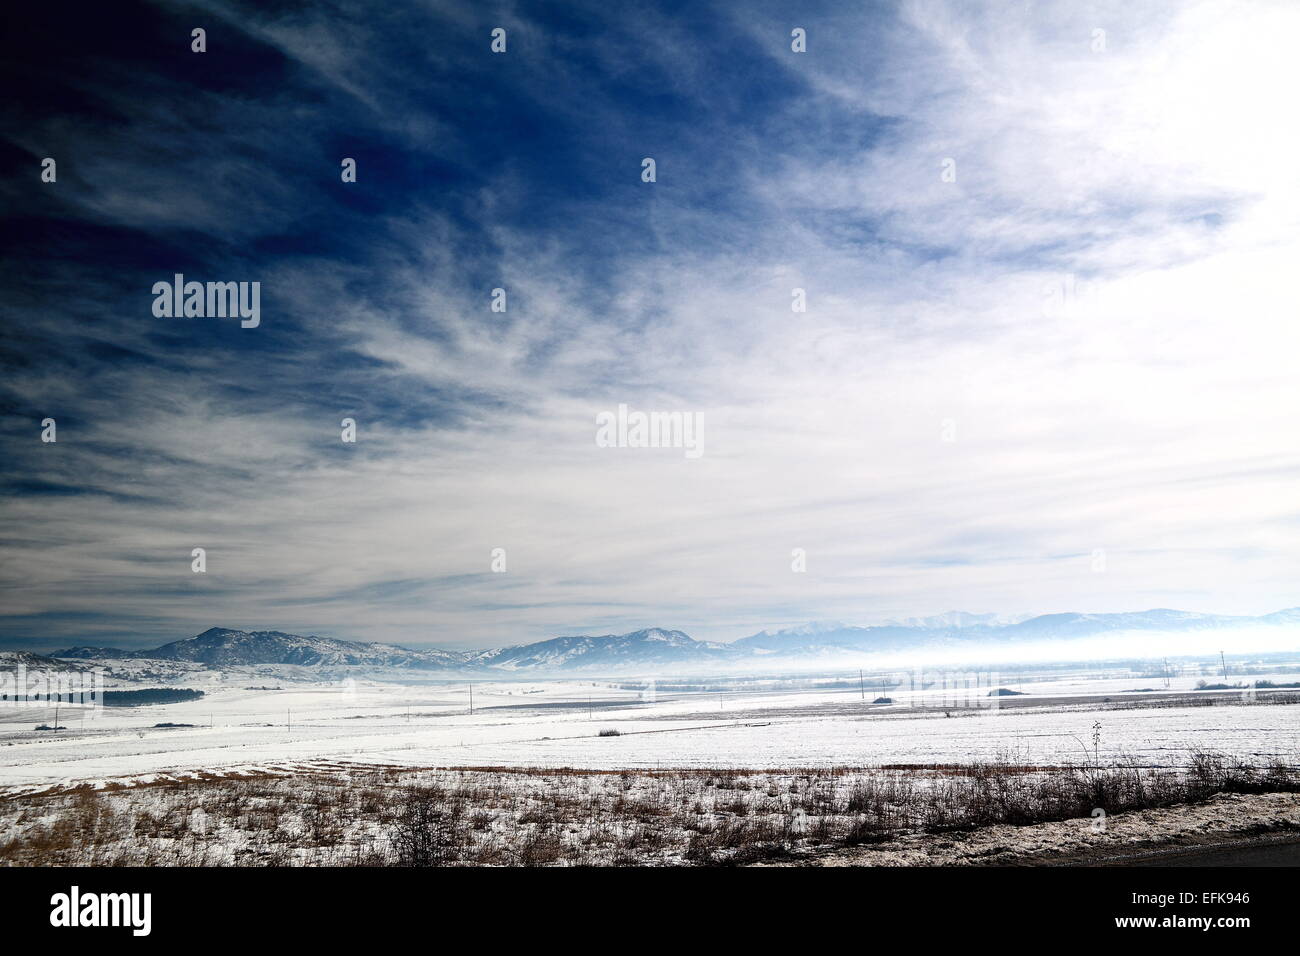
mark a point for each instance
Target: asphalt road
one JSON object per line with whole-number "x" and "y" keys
{"x": 1260, "y": 851}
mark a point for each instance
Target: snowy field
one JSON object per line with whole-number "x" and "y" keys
{"x": 548, "y": 724}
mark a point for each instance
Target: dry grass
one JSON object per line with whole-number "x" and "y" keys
{"x": 531, "y": 817}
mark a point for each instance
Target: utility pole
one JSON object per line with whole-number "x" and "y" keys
{"x": 471, "y": 700}
{"x": 862, "y": 688}
{"x": 1225, "y": 665}
{"x": 288, "y": 720}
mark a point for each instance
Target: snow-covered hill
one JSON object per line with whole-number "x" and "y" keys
{"x": 94, "y": 653}
{"x": 219, "y": 646}
{"x": 12, "y": 660}
{"x": 650, "y": 647}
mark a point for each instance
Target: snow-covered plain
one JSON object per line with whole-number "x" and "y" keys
{"x": 550, "y": 724}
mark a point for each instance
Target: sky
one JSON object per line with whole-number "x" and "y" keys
{"x": 1047, "y": 360}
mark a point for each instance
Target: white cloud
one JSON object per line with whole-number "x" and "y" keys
{"x": 1152, "y": 417}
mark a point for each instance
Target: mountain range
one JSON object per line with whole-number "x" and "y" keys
{"x": 671, "y": 649}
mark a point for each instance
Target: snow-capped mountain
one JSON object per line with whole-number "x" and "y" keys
{"x": 222, "y": 647}
{"x": 95, "y": 653}
{"x": 645, "y": 648}
{"x": 952, "y": 620}
{"x": 1056, "y": 626}
{"x": 822, "y": 641}
{"x": 12, "y": 660}
{"x": 957, "y": 628}
{"x": 663, "y": 650}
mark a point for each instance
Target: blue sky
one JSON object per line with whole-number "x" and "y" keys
{"x": 1084, "y": 344}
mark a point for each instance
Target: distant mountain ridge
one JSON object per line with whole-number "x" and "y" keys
{"x": 100, "y": 653}
{"x": 223, "y": 646}
{"x": 12, "y": 660}
{"x": 645, "y": 647}
{"x": 952, "y": 619}
{"x": 655, "y": 647}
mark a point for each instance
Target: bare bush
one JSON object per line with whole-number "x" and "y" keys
{"x": 429, "y": 829}
{"x": 529, "y": 817}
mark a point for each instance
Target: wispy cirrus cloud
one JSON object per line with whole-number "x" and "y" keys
{"x": 1097, "y": 311}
